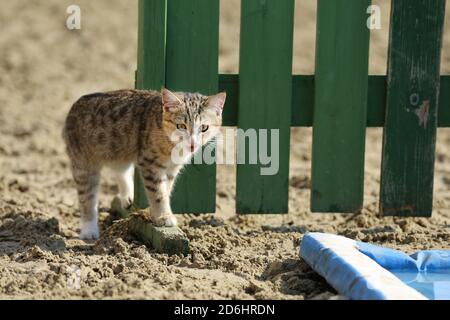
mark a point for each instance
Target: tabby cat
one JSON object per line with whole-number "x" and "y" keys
{"x": 127, "y": 128}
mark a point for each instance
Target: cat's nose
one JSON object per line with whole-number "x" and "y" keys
{"x": 192, "y": 147}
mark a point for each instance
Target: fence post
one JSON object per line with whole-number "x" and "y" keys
{"x": 341, "y": 81}
{"x": 151, "y": 67}
{"x": 192, "y": 50}
{"x": 265, "y": 95}
{"x": 409, "y": 139}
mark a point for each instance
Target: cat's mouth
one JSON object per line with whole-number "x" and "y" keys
{"x": 192, "y": 147}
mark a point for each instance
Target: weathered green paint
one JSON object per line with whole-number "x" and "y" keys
{"x": 169, "y": 240}
{"x": 116, "y": 207}
{"x": 341, "y": 81}
{"x": 265, "y": 98}
{"x": 376, "y": 101}
{"x": 303, "y": 100}
{"x": 412, "y": 105}
{"x": 151, "y": 63}
{"x": 265, "y": 54}
{"x": 444, "y": 102}
{"x": 192, "y": 50}
{"x": 229, "y": 83}
{"x": 151, "y": 44}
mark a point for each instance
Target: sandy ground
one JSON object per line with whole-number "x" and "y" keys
{"x": 44, "y": 68}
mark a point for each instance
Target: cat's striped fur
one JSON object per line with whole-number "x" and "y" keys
{"x": 124, "y": 128}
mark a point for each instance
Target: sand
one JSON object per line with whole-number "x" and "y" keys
{"x": 44, "y": 67}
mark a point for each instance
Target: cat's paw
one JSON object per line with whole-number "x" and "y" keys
{"x": 167, "y": 220}
{"x": 89, "y": 230}
{"x": 170, "y": 221}
{"x": 126, "y": 202}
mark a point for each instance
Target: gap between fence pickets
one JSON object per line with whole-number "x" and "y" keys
{"x": 169, "y": 240}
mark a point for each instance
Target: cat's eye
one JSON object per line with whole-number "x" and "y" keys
{"x": 181, "y": 126}
{"x": 204, "y": 127}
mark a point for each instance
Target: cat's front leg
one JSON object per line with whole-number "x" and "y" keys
{"x": 155, "y": 182}
{"x": 171, "y": 174}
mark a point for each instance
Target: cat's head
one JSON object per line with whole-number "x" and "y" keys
{"x": 191, "y": 119}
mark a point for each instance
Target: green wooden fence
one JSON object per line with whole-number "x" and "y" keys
{"x": 178, "y": 48}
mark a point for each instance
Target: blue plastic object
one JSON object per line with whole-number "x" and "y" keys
{"x": 426, "y": 271}
{"x": 433, "y": 284}
{"x": 360, "y": 270}
{"x": 394, "y": 260}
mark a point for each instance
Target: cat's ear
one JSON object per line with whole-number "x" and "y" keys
{"x": 216, "y": 102}
{"x": 170, "y": 100}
